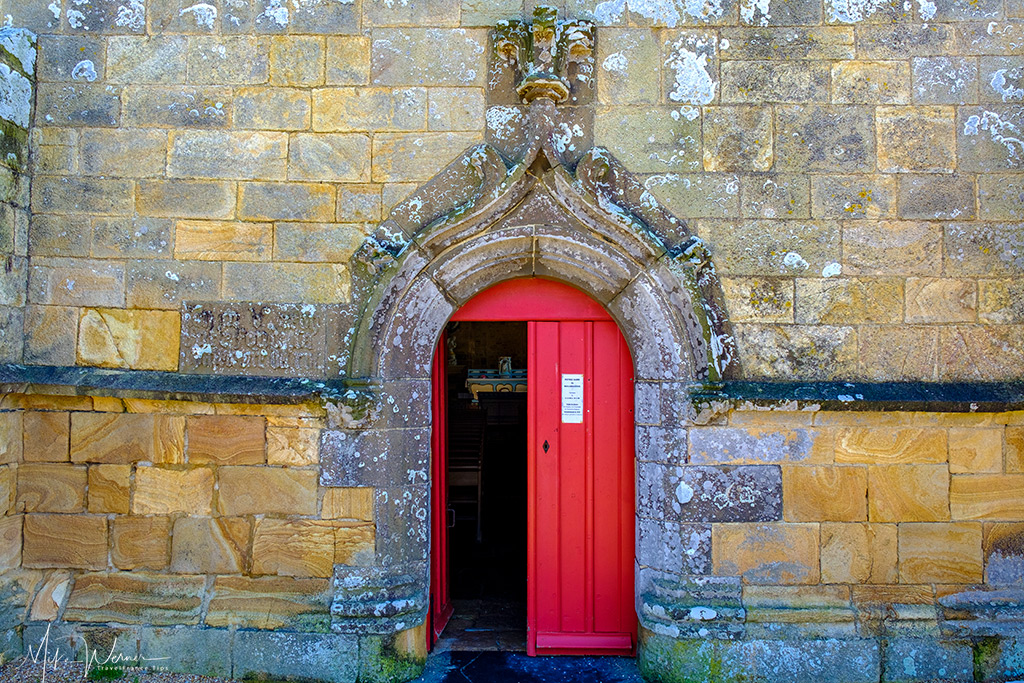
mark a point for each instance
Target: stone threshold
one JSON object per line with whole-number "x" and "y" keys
{"x": 738, "y": 394}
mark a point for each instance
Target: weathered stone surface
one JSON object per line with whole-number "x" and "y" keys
{"x": 140, "y": 542}
{"x": 629, "y": 68}
{"x": 848, "y": 197}
{"x": 1003, "y": 547}
{"x": 758, "y": 444}
{"x": 892, "y": 248}
{"x": 672, "y": 547}
{"x": 409, "y": 57}
{"x": 334, "y": 157}
{"x": 848, "y": 300}
{"x": 890, "y": 446}
{"x": 185, "y": 198}
{"x": 162, "y": 491}
{"x": 784, "y": 82}
{"x": 72, "y": 541}
{"x": 915, "y": 139}
{"x": 45, "y": 436}
{"x": 225, "y": 439}
{"x": 997, "y": 497}
{"x": 48, "y": 335}
{"x": 11, "y": 436}
{"x": 253, "y": 155}
{"x": 270, "y": 603}
{"x": 11, "y": 536}
{"x": 980, "y": 352}
{"x": 266, "y": 490}
{"x": 274, "y": 339}
{"x": 374, "y": 457}
{"x": 908, "y": 493}
{"x": 122, "y": 439}
{"x": 136, "y": 598}
{"x": 767, "y": 553}
{"x": 944, "y": 80}
{"x": 8, "y": 488}
{"x": 286, "y": 201}
{"x": 941, "y": 300}
{"x": 768, "y": 300}
{"x": 711, "y": 494}
{"x": 858, "y": 553}
{"x": 775, "y": 196}
{"x": 1001, "y": 197}
{"x": 973, "y": 450}
{"x": 109, "y": 488}
{"x": 369, "y": 109}
{"x": 129, "y": 338}
{"x": 1014, "y": 439}
{"x": 937, "y": 197}
{"x": 204, "y": 545}
{"x": 824, "y": 494}
{"x": 293, "y": 447}
{"x": 416, "y": 156}
{"x": 984, "y": 249}
{"x": 76, "y": 282}
{"x": 60, "y": 56}
{"x": 348, "y": 60}
{"x": 110, "y": 152}
{"x": 334, "y": 657}
{"x": 50, "y": 598}
{"x": 772, "y": 247}
{"x": 648, "y": 140}
{"x": 228, "y": 60}
{"x": 791, "y": 42}
{"x": 359, "y": 203}
{"x": 51, "y": 488}
{"x": 136, "y": 237}
{"x": 987, "y": 138}
{"x": 861, "y": 82}
{"x": 822, "y": 138}
{"x": 703, "y": 195}
{"x": 188, "y": 650}
{"x": 223, "y": 241}
{"x": 812, "y": 352}
{"x": 312, "y": 242}
{"x": 176, "y": 106}
{"x": 940, "y": 553}
{"x": 78, "y": 104}
{"x": 925, "y": 659}
{"x": 348, "y": 503}
{"x": 137, "y": 60}
{"x": 309, "y": 547}
{"x": 271, "y": 108}
{"x": 297, "y": 60}
{"x": 898, "y": 353}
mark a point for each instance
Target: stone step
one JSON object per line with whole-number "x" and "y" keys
{"x": 381, "y": 608}
{"x": 697, "y": 592}
{"x": 678, "y": 613}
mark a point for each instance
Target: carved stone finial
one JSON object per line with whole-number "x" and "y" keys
{"x": 542, "y": 52}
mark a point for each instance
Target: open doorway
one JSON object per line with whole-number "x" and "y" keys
{"x": 485, "y": 366}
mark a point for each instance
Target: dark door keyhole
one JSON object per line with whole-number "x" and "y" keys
{"x": 546, "y": 446}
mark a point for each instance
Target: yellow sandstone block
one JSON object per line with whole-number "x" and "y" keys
{"x": 160, "y": 491}
{"x": 766, "y": 553}
{"x": 348, "y": 503}
{"x": 975, "y": 450}
{"x": 940, "y": 553}
{"x": 996, "y": 497}
{"x": 858, "y": 553}
{"x": 888, "y": 446}
{"x": 908, "y": 493}
{"x": 824, "y": 494}
{"x": 136, "y": 339}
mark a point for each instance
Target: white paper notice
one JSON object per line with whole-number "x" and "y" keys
{"x": 572, "y": 399}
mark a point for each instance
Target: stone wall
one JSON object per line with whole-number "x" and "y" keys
{"x": 17, "y": 98}
{"x": 194, "y": 532}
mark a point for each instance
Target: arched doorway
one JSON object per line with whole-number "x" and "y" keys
{"x": 580, "y": 471}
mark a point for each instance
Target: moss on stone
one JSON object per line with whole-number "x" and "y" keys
{"x": 986, "y": 657}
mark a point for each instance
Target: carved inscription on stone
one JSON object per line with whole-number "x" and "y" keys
{"x": 253, "y": 339}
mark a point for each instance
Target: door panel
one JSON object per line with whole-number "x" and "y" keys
{"x": 440, "y": 588}
{"x": 581, "y": 550}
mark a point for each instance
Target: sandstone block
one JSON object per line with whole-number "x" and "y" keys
{"x": 348, "y": 503}
{"x": 766, "y": 553}
{"x": 823, "y": 138}
{"x": 109, "y": 488}
{"x": 167, "y": 284}
{"x": 848, "y": 300}
{"x": 409, "y": 56}
{"x": 908, "y": 493}
{"x": 455, "y": 109}
{"x": 348, "y": 60}
{"x": 235, "y": 60}
{"x": 285, "y": 655}
{"x": 892, "y": 248}
{"x": 775, "y": 196}
{"x": 140, "y": 542}
{"x": 11, "y": 541}
{"x": 45, "y": 436}
{"x": 704, "y": 195}
{"x": 339, "y": 158}
{"x": 998, "y": 497}
{"x": 270, "y": 603}
{"x": 428, "y": 12}
{"x": 973, "y": 450}
{"x": 8, "y": 489}
{"x": 310, "y": 283}
{"x": 152, "y": 59}
{"x": 204, "y": 545}
{"x": 940, "y": 553}
{"x": 51, "y": 488}
{"x": 266, "y": 490}
{"x": 629, "y": 67}
{"x": 297, "y": 60}
{"x": 135, "y": 237}
{"x": 66, "y": 195}
{"x": 861, "y": 82}
{"x": 824, "y": 494}
{"x": 980, "y": 352}
{"x": 934, "y": 300}
{"x": 50, "y": 598}
{"x": 223, "y": 241}
{"x": 818, "y": 351}
{"x": 944, "y": 80}
{"x": 11, "y": 435}
{"x": 287, "y": 201}
{"x": 1003, "y": 548}
{"x": 136, "y": 598}
{"x": 229, "y": 155}
{"x": 904, "y": 39}
{"x": 127, "y": 438}
{"x": 161, "y": 491}
{"x": 790, "y": 42}
{"x": 271, "y": 108}
{"x": 858, "y": 553}
{"x": 983, "y": 249}
{"x": 72, "y": 541}
{"x": 78, "y": 104}
{"x": 176, "y": 106}
{"x": 414, "y": 157}
{"x": 646, "y": 140}
{"x": 762, "y": 300}
{"x": 891, "y": 446}
{"x": 76, "y": 282}
{"x": 293, "y": 447}
{"x": 1001, "y": 197}
{"x": 225, "y": 439}
{"x": 186, "y": 198}
{"x": 937, "y": 197}
{"x": 293, "y": 547}
{"x": 129, "y": 338}
{"x": 50, "y": 335}
{"x": 312, "y": 242}
{"x": 341, "y": 110}
{"x": 757, "y": 444}
{"x": 848, "y": 197}
{"x": 915, "y": 139}
{"x": 737, "y": 139}
{"x": 53, "y": 235}
{"x": 60, "y": 55}
{"x": 785, "y": 82}
{"x": 1014, "y": 449}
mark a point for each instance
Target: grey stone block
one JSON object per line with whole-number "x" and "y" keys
{"x": 375, "y": 457}
{"x": 676, "y": 548}
{"x": 186, "y": 649}
{"x": 749, "y": 493}
{"x": 264, "y": 654}
{"x": 920, "y": 659}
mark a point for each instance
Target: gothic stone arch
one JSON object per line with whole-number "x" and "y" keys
{"x": 581, "y": 219}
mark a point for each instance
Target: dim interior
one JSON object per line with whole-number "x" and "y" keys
{"x": 487, "y": 494}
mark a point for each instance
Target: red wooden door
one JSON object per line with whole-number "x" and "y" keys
{"x": 581, "y": 487}
{"x": 440, "y": 593}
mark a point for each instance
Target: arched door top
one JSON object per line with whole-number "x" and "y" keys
{"x": 531, "y": 299}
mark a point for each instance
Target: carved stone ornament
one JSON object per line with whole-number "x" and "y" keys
{"x": 541, "y": 208}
